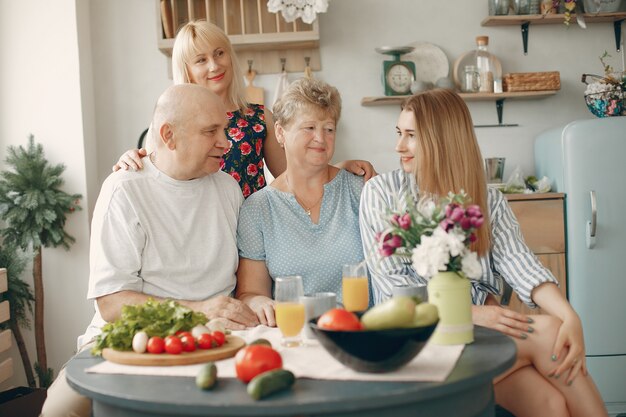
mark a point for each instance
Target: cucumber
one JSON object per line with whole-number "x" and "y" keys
{"x": 394, "y": 313}
{"x": 207, "y": 376}
{"x": 270, "y": 382}
{"x": 261, "y": 341}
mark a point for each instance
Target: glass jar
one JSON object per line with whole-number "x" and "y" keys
{"x": 489, "y": 69}
{"x": 522, "y": 6}
{"x": 499, "y": 7}
{"x": 471, "y": 79}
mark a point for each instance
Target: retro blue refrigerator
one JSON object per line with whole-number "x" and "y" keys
{"x": 586, "y": 159}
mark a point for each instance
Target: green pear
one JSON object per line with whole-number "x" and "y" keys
{"x": 425, "y": 315}
{"x": 391, "y": 314}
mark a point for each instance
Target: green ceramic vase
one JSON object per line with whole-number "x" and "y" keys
{"x": 451, "y": 293}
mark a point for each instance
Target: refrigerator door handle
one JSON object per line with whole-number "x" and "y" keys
{"x": 592, "y": 225}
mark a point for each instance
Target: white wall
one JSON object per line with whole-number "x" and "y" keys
{"x": 40, "y": 85}
{"x": 130, "y": 72}
{"x": 88, "y": 122}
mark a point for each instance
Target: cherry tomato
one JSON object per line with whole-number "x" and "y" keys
{"x": 339, "y": 319}
{"x": 156, "y": 344}
{"x": 205, "y": 341}
{"x": 219, "y": 337}
{"x": 182, "y": 333}
{"x": 255, "y": 359}
{"x": 189, "y": 343}
{"x": 173, "y": 345}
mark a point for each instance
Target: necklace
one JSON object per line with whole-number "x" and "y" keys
{"x": 307, "y": 210}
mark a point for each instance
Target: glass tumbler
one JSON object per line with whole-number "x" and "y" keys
{"x": 289, "y": 309}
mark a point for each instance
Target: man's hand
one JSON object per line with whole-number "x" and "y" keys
{"x": 234, "y": 314}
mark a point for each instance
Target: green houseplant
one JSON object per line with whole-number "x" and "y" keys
{"x": 34, "y": 209}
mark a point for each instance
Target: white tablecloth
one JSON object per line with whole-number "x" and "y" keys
{"x": 434, "y": 362}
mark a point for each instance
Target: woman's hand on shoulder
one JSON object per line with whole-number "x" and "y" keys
{"x": 130, "y": 159}
{"x": 358, "y": 167}
{"x": 502, "y": 319}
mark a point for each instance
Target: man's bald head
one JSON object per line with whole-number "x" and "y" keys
{"x": 180, "y": 103}
{"x": 188, "y": 130}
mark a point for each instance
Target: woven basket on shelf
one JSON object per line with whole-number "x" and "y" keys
{"x": 532, "y": 81}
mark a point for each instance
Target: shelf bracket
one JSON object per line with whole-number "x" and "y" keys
{"x": 617, "y": 29}
{"x": 499, "y": 108}
{"x": 525, "y": 27}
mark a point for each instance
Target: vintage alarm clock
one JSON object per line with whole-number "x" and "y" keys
{"x": 397, "y": 74}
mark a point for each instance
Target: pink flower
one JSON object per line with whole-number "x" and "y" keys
{"x": 261, "y": 181}
{"x": 405, "y": 221}
{"x": 242, "y": 123}
{"x": 456, "y": 214}
{"x": 235, "y": 175}
{"x": 394, "y": 219}
{"x": 466, "y": 223}
{"x": 246, "y": 190}
{"x": 474, "y": 211}
{"x": 258, "y": 146}
{"x": 257, "y": 128}
{"x": 477, "y": 221}
{"x": 252, "y": 170}
{"x": 245, "y": 148}
{"x": 446, "y": 224}
{"x": 386, "y": 250}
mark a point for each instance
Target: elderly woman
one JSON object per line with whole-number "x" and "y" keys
{"x": 439, "y": 153}
{"x": 306, "y": 222}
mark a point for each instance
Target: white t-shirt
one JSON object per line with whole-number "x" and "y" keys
{"x": 163, "y": 237}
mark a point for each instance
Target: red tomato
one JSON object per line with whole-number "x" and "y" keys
{"x": 205, "y": 341}
{"x": 255, "y": 359}
{"x": 219, "y": 337}
{"x": 339, "y": 319}
{"x": 156, "y": 345}
{"x": 173, "y": 345}
{"x": 182, "y": 333}
{"x": 189, "y": 343}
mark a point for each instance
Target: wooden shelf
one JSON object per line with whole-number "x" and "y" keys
{"x": 258, "y": 36}
{"x": 542, "y": 19}
{"x": 524, "y": 22}
{"x": 384, "y": 100}
{"x": 497, "y": 97}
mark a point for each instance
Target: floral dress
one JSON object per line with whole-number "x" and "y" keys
{"x": 246, "y": 132}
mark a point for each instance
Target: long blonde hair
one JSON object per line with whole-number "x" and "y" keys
{"x": 448, "y": 156}
{"x": 196, "y": 36}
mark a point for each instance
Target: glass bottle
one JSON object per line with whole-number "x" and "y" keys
{"x": 488, "y": 66}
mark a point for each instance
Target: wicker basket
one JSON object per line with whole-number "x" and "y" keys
{"x": 532, "y": 81}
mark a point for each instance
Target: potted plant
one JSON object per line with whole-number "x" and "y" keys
{"x": 34, "y": 209}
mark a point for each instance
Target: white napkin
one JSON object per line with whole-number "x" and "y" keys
{"x": 434, "y": 363}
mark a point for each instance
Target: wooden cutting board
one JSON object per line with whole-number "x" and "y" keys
{"x": 227, "y": 350}
{"x": 254, "y": 94}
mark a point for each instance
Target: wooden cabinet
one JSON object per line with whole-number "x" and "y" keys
{"x": 542, "y": 222}
{"x": 256, "y": 34}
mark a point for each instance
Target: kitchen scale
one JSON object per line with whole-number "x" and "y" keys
{"x": 397, "y": 75}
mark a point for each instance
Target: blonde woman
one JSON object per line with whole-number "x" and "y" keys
{"x": 203, "y": 55}
{"x": 439, "y": 153}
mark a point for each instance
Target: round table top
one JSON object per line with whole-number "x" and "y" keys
{"x": 490, "y": 354}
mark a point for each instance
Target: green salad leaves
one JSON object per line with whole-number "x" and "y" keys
{"x": 153, "y": 317}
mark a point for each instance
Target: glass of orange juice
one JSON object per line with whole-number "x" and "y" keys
{"x": 289, "y": 309}
{"x": 355, "y": 287}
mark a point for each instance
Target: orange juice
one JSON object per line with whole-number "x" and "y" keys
{"x": 355, "y": 293}
{"x": 289, "y": 318}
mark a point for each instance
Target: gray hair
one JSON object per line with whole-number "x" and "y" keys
{"x": 307, "y": 92}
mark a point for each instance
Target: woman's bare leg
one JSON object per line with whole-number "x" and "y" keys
{"x": 526, "y": 393}
{"x": 582, "y": 396}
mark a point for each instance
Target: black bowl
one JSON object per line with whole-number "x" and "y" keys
{"x": 374, "y": 351}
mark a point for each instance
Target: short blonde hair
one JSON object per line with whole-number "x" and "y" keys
{"x": 196, "y": 36}
{"x": 448, "y": 156}
{"x": 307, "y": 92}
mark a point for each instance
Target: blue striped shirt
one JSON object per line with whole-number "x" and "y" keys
{"x": 509, "y": 259}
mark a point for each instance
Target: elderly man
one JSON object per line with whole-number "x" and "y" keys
{"x": 168, "y": 231}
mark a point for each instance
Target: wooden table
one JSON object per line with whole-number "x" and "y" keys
{"x": 468, "y": 391}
